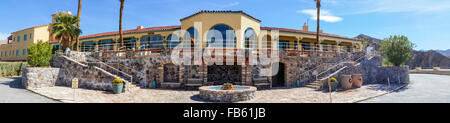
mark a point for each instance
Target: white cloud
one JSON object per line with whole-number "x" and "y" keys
{"x": 231, "y": 4}
{"x": 325, "y": 15}
{"x": 224, "y": 6}
{"x": 395, "y": 6}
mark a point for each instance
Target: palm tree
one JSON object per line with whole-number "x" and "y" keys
{"x": 78, "y": 24}
{"x": 120, "y": 23}
{"x": 318, "y": 21}
{"x": 64, "y": 29}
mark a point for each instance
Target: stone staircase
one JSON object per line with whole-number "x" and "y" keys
{"x": 130, "y": 85}
{"x": 317, "y": 81}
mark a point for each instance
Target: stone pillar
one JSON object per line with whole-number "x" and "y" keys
{"x": 287, "y": 73}
{"x": 243, "y": 75}
{"x": 249, "y": 69}
{"x": 181, "y": 75}
{"x": 270, "y": 77}
{"x": 160, "y": 74}
{"x": 204, "y": 68}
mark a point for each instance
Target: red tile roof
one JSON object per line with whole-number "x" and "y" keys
{"x": 54, "y": 41}
{"x": 306, "y": 32}
{"x": 132, "y": 31}
{"x": 178, "y": 27}
{"x": 205, "y": 11}
{"x": 34, "y": 27}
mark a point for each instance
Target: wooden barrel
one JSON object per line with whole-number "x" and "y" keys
{"x": 357, "y": 80}
{"x": 346, "y": 81}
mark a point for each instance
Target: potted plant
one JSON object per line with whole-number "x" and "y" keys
{"x": 117, "y": 85}
{"x": 332, "y": 82}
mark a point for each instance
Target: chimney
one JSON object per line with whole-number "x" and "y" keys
{"x": 140, "y": 27}
{"x": 305, "y": 27}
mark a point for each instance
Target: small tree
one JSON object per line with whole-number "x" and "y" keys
{"x": 39, "y": 54}
{"x": 397, "y": 49}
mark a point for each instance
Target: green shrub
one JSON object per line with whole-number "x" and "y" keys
{"x": 39, "y": 54}
{"x": 11, "y": 68}
{"x": 396, "y": 49}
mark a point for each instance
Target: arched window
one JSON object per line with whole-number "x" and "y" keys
{"x": 151, "y": 42}
{"x": 172, "y": 41}
{"x": 226, "y": 33}
{"x": 250, "y": 38}
{"x": 191, "y": 35}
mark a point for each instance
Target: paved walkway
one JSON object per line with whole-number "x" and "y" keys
{"x": 424, "y": 88}
{"x": 11, "y": 91}
{"x": 280, "y": 95}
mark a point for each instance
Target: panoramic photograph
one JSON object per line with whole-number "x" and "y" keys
{"x": 225, "y": 51}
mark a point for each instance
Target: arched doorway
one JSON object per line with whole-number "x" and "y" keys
{"x": 171, "y": 73}
{"x": 279, "y": 80}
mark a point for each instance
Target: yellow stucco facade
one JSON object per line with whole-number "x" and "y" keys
{"x": 239, "y": 22}
{"x": 203, "y": 21}
{"x": 16, "y": 50}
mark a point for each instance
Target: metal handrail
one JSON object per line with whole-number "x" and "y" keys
{"x": 108, "y": 67}
{"x": 132, "y": 69}
{"x": 112, "y": 70}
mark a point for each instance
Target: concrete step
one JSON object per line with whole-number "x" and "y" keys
{"x": 132, "y": 87}
{"x": 313, "y": 86}
{"x": 316, "y": 84}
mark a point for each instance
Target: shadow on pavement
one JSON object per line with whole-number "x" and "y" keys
{"x": 392, "y": 87}
{"x": 16, "y": 82}
{"x": 197, "y": 98}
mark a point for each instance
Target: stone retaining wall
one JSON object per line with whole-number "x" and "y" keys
{"x": 158, "y": 67}
{"x": 89, "y": 77}
{"x": 393, "y": 75}
{"x": 40, "y": 77}
{"x": 374, "y": 73}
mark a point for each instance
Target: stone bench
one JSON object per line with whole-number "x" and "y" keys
{"x": 170, "y": 85}
{"x": 261, "y": 83}
{"x": 193, "y": 83}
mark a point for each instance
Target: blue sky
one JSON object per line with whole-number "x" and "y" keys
{"x": 425, "y": 22}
